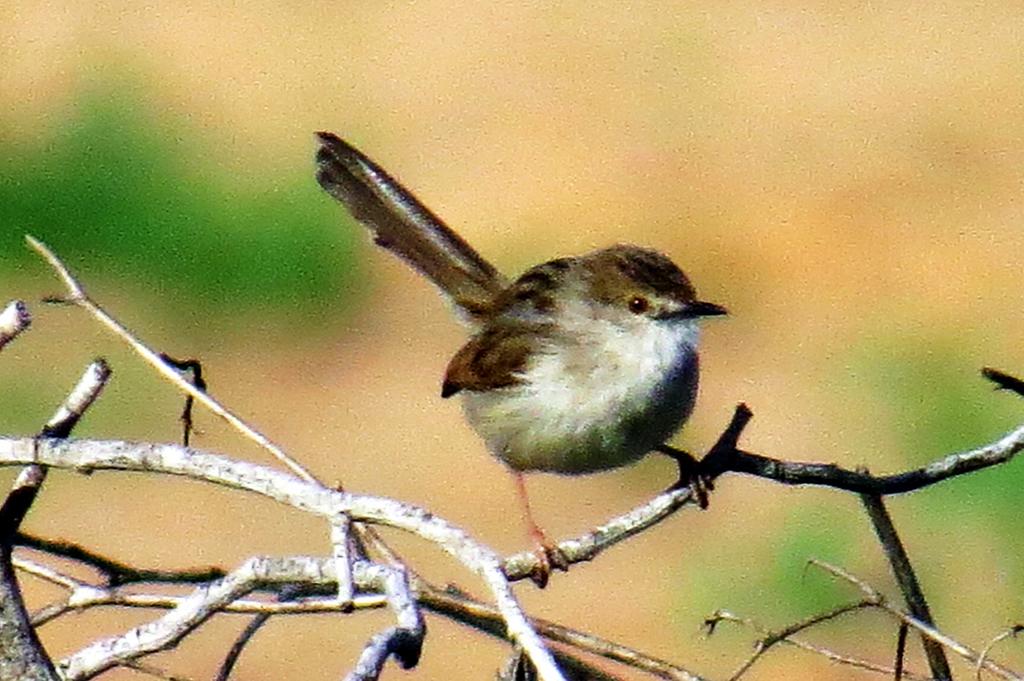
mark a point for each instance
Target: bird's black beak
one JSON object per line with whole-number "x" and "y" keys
{"x": 693, "y": 310}
{"x": 700, "y": 308}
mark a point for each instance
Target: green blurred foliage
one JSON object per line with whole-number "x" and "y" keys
{"x": 780, "y": 587}
{"x": 813, "y": 534}
{"x": 25, "y": 405}
{"x": 935, "y": 403}
{"x": 940, "y": 408}
{"x": 131, "y": 196}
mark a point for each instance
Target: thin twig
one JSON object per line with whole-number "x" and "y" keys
{"x": 78, "y": 296}
{"x": 241, "y": 641}
{"x": 901, "y": 650}
{"x": 983, "y": 656}
{"x": 485, "y": 618}
{"x": 931, "y": 632}
{"x": 196, "y": 368}
{"x": 115, "y": 572}
{"x": 48, "y": 574}
{"x": 155, "y": 672}
{"x": 787, "y": 636}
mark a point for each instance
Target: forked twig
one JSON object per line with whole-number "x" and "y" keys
{"x": 786, "y": 635}
{"x": 79, "y": 297}
{"x": 983, "y": 657}
{"x": 949, "y": 643}
{"x": 303, "y": 495}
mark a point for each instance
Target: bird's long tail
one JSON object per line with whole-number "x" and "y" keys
{"x": 404, "y": 226}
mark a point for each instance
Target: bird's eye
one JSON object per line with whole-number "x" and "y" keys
{"x": 638, "y": 305}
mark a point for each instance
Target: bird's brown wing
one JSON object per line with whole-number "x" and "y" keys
{"x": 404, "y": 226}
{"x": 494, "y": 358}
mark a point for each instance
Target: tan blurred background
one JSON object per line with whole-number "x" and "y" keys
{"x": 846, "y": 178}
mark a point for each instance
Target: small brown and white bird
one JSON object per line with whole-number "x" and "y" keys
{"x": 582, "y": 364}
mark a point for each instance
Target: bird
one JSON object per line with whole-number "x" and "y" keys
{"x": 581, "y": 364}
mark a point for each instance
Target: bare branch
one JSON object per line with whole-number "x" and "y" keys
{"x": 787, "y": 636}
{"x": 197, "y": 391}
{"x": 82, "y": 595}
{"x": 22, "y": 657}
{"x": 14, "y": 319}
{"x": 485, "y": 618}
{"x": 447, "y": 602}
{"x": 588, "y": 546}
{"x": 1003, "y": 380}
{"x": 931, "y": 632}
{"x": 78, "y": 297}
{"x": 115, "y": 572}
{"x": 404, "y": 641}
{"x": 724, "y": 457}
{"x": 1012, "y": 631}
{"x": 30, "y": 479}
{"x": 341, "y": 541}
{"x": 831, "y": 475}
{"x": 306, "y": 496}
{"x": 901, "y": 650}
{"x": 81, "y": 397}
{"x": 191, "y": 612}
{"x": 903, "y": 571}
{"x": 238, "y": 646}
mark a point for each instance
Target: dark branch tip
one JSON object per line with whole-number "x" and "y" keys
{"x": 1003, "y": 380}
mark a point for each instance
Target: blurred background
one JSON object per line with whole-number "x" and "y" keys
{"x": 846, "y": 178}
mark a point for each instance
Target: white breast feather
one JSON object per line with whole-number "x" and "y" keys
{"x": 547, "y": 423}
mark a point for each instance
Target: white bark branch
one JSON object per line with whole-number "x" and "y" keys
{"x": 405, "y": 640}
{"x": 193, "y": 610}
{"x": 81, "y": 397}
{"x": 306, "y": 496}
{"x": 14, "y": 319}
